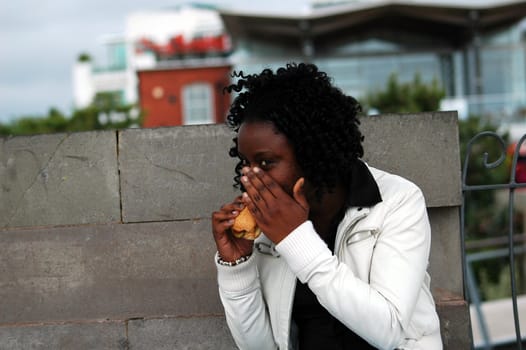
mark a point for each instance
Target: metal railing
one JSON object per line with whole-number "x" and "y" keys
{"x": 471, "y": 288}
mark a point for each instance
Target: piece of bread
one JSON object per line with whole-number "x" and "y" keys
{"x": 245, "y": 226}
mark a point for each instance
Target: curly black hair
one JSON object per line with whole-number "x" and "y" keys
{"x": 317, "y": 118}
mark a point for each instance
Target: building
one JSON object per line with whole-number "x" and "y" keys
{"x": 474, "y": 49}
{"x": 192, "y": 34}
{"x": 185, "y": 93}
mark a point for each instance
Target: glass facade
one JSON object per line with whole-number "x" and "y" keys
{"x": 489, "y": 79}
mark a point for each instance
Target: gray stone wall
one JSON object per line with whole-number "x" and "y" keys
{"x": 105, "y": 236}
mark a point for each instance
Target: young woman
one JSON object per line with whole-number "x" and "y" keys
{"x": 342, "y": 260}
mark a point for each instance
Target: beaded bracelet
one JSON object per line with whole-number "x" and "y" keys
{"x": 238, "y": 261}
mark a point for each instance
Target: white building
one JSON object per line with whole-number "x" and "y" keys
{"x": 127, "y": 52}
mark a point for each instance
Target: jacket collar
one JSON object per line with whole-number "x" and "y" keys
{"x": 364, "y": 190}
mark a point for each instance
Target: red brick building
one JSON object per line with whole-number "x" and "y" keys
{"x": 184, "y": 94}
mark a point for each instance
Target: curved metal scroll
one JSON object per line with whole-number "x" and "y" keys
{"x": 487, "y": 164}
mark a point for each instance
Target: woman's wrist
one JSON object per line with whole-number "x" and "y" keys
{"x": 234, "y": 262}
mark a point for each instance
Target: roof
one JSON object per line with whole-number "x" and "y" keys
{"x": 450, "y": 24}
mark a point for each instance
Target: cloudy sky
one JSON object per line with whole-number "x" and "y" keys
{"x": 40, "y": 41}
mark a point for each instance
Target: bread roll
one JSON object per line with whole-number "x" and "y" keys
{"x": 245, "y": 226}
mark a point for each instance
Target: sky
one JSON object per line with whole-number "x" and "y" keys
{"x": 41, "y": 40}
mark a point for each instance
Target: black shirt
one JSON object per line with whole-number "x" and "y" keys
{"x": 317, "y": 328}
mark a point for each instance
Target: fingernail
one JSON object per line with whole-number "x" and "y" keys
{"x": 245, "y": 195}
{"x": 244, "y": 179}
{"x": 256, "y": 170}
{"x": 234, "y": 212}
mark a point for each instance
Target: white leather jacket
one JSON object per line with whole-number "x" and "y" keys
{"x": 375, "y": 283}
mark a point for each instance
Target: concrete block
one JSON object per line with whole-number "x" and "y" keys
{"x": 175, "y": 173}
{"x": 108, "y": 271}
{"x": 445, "y": 262}
{"x": 79, "y": 336}
{"x": 180, "y": 333}
{"x": 185, "y": 172}
{"x": 455, "y": 323}
{"x": 423, "y": 148}
{"x": 59, "y": 179}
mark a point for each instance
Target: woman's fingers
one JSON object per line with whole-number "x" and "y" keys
{"x": 228, "y": 246}
{"x": 260, "y": 187}
{"x": 223, "y": 219}
{"x": 276, "y": 211}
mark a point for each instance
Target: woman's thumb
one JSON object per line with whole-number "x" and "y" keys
{"x": 299, "y": 194}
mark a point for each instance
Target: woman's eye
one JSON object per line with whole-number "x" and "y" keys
{"x": 264, "y": 163}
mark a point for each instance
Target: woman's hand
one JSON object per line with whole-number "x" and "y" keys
{"x": 229, "y": 247}
{"x": 275, "y": 211}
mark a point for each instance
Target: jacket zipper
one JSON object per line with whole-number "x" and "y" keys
{"x": 340, "y": 239}
{"x": 361, "y": 235}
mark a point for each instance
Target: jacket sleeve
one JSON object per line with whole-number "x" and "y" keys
{"x": 245, "y": 310}
{"x": 380, "y": 309}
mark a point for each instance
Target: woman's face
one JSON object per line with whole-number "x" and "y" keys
{"x": 261, "y": 145}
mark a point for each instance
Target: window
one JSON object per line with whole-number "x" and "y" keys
{"x": 198, "y": 104}
{"x": 117, "y": 56}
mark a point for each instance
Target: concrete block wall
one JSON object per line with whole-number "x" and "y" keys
{"x": 105, "y": 236}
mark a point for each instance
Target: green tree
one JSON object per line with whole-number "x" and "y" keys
{"x": 106, "y": 112}
{"x": 55, "y": 121}
{"x": 84, "y": 57}
{"x": 411, "y": 97}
